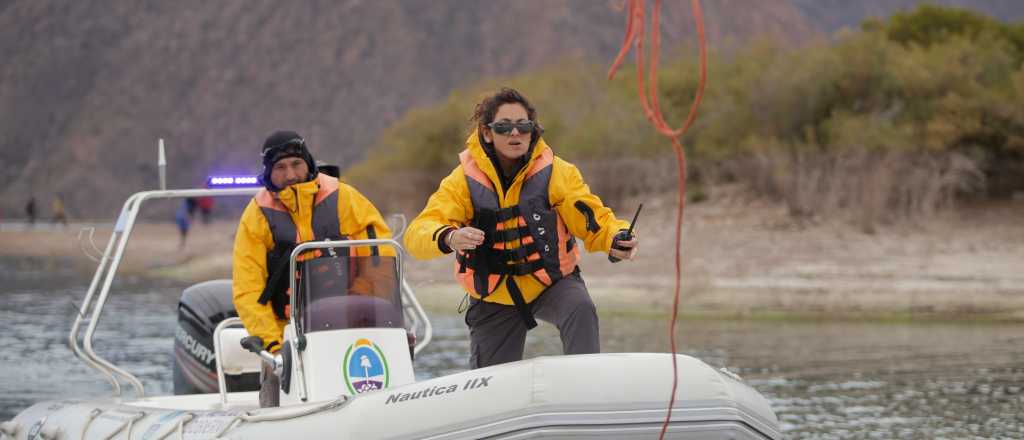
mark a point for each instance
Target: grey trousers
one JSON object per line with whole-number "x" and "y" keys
{"x": 270, "y": 387}
{"x": 497, "y": 334}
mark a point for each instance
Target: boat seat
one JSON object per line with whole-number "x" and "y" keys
{"x": 237, "y": 360}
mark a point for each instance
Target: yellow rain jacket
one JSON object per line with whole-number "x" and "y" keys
{"x": 254, "y": 240}
{"x": 451, "y": 207}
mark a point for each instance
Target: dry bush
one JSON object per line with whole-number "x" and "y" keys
{"x": 402, "y": 192}
{"x": 620, "y": 179}
{"x": 868, "y": 187}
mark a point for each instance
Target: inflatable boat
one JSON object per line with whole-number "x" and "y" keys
{"x": 346, "y": 371}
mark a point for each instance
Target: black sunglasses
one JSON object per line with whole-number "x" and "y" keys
{"x": 505, "y": 127}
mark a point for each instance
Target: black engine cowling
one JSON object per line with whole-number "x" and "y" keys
{"x": 200, "y": 309}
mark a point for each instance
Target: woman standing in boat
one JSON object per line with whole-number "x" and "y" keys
{"x": 511, "y": 211}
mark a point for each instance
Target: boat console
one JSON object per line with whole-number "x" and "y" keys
{"x": 346, "y": 333}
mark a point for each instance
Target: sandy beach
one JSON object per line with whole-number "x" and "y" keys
{"x": 740, "y": 258}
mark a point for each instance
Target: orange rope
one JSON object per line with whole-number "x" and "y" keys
{"x": 652, "y": 110}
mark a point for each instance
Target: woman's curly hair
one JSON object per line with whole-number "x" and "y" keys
{"x": 486, "y": 109}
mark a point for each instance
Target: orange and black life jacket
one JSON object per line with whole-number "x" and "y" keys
{"x": 325, "y": 226}
{"x": 528, "y": 238}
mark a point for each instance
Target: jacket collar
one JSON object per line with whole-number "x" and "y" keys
{"x": 483, "y": 160}
{"x": 299, "y": 194}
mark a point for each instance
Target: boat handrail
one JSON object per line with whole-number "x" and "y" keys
{"x": 87, "y": 302}
{"x": 218, "y": 354}
{"x": 106, "y": 271}
{"x": 410, "y": 301}
{"x": 114, "y": 252}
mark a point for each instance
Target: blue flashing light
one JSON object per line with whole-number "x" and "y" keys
{"x": 232, "y": 181}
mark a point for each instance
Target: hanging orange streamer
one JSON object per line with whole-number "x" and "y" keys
{"x": 652, "y": 110}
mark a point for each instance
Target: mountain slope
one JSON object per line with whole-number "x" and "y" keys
{"x": 86, "y": 91}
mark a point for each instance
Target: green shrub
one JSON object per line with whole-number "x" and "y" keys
{"x": 889, "y": 122}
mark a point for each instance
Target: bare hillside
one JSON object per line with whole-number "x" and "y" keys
{"x": 87, "y": 88}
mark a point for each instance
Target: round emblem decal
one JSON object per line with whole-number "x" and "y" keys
{"x": 365, "y": 368}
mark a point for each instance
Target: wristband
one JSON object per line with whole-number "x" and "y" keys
{"x": 448, "y": 239}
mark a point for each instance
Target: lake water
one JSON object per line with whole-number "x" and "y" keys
{"x": 825, "y": 380}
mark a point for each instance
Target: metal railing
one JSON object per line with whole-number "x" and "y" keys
{"x": 109, "y": 262}
{"x": 104, "y": 278}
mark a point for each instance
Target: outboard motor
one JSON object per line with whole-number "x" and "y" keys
{"x": 200, "y": 309}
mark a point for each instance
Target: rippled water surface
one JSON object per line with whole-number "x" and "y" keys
{"x": 825, "y": 380}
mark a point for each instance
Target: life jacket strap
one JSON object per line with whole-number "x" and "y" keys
{"x": 275, "y": 291}
{"x": 371, "y": 233}
{"x": 526, "y": 268}
{"x": 463, "y": 260}
{"x": 506, "y": 214}
{"x": 519, "y": 253}
{"x": 495, "y": 263}
{"x": 524, "y": 308}
{"x": 511, "y": 234}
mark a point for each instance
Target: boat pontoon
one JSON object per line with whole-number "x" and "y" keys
{"x": 346, "y": 371}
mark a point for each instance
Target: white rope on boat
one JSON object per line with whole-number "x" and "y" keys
{"x": 181, "y": 425}
{"x": 128, "y": 425}
{"x": 92, "y": 416}
{"x": 227, "y": 427}
{"x": 131, "y": 424}
{"x": 273, "y": 416}
{"x": 52, "y": 432}
{"x": 95, "y": 254}
{"x": 180, "y": 428}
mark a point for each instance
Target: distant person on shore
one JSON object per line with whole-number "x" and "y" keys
{"x": 183, "y": 218}
{"x": 59, "y": 215}
{"x": 205, "y": 205}
{"x": 30, "y": 210}
{"x": 276, "y": 220}
{"x": 511, "y": 212}
{"x": 191, "y": 206}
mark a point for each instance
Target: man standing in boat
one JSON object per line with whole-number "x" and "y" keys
{"x": 297, "y": 204}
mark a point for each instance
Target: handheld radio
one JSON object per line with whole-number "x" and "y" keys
{"x": 625, "y": 235}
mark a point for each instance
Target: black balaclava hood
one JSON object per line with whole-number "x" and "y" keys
{"x": 279, "y": 145}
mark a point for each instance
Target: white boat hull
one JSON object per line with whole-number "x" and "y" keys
{"x": 585, "y": 396}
